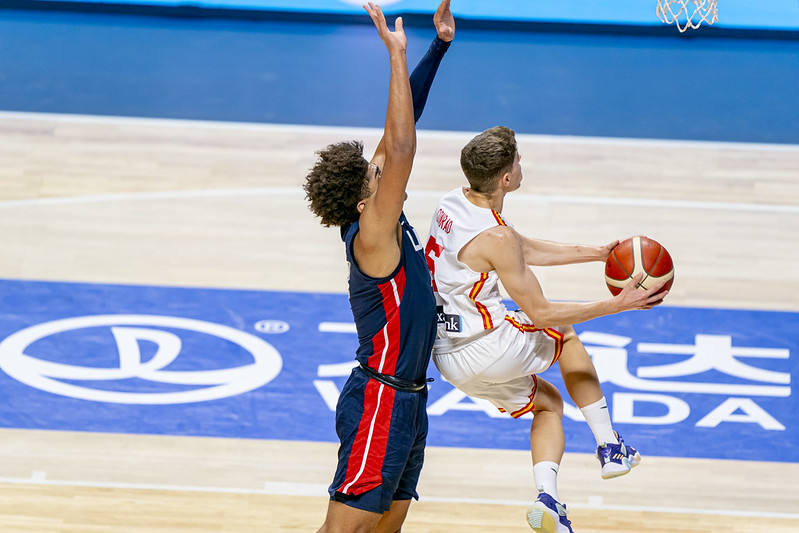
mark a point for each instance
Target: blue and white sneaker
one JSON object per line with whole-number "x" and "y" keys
{"x": 547, "y": 515}
{"x": 617, "y": 459}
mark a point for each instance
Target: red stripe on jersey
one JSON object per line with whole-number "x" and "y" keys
{"x": 498, "y": 217}
{"x": 386, "y": 343}
{"x": 369, "y": 447}
{"x": 368, "y": 451}
{"x": 478, "y": 286}
{"x": 488, "y": 323}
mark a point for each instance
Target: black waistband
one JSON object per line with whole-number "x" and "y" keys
{"x": 394, "y": 382}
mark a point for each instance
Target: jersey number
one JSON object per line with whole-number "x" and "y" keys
{"x": 432, "y": 249}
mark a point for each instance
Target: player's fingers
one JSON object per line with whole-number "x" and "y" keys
{"x": 657, "y": 298}
{"x": 636, "y": 280}
{"x": 657, "y": 286}
{"x": 398, "y": 25}
{"x": 379, "y": 19}
{"x": 379, "y": 12}
{"x": 371, "y": 10}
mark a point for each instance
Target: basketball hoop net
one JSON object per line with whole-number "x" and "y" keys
{"x": 687, "y": 13}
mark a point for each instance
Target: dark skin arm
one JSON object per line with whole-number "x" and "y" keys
{"x": 376, "y": 245}
{"x": 445, "y": 29}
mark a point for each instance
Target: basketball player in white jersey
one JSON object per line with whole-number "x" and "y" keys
{"x": 490, "y": 352}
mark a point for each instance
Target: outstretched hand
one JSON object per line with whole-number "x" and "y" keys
{"x": 395, "y": 41}
{"x": 444, "y": 21}
{"x": 604, "y": 251}
{"x": 633, "y": 296}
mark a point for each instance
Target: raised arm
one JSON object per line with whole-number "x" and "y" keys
{"x": 538, "y": 252}
{"x": 502, "y": 249}
{"x": 378, "y": 221}
{"x": 424, "y": 73}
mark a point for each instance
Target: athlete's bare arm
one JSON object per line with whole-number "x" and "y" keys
{"x": 376, "y": 247}
{"x": 538, "y": 252}
{"x": 501, "y": 249}
{"x": 444, "y": 22}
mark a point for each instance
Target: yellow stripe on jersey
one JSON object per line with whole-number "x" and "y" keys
{"x": 488, "y": 323}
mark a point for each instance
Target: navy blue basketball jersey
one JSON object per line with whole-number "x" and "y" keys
{"x": 395, "y": 316}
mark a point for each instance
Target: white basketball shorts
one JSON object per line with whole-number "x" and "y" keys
{"x": 501, "y": 365}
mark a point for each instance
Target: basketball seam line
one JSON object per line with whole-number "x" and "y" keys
{"x": 613, "y": 253}
{"x": 652, "y": 268}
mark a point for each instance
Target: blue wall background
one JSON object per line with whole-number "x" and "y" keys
{"x": 763, "y": 14}
{"x": 336, "y": 74}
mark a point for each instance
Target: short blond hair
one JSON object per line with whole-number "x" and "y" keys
{"x": 487, "y": 157}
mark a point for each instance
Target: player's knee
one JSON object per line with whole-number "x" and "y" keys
{"x": 548, "y": 399}
{"x": 569, "y": 335}
{"x": 557, "y": 403}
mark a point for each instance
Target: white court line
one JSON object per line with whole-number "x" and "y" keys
{"x": 343, "y": 130}
{"x": 337, "y": 327}
{"x": 320, "y": 491}
{"x": 299, "y": 193}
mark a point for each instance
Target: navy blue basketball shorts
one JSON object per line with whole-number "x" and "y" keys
{"x": 382, "y": 433}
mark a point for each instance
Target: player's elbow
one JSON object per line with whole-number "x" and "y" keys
{"x": 400, "y": 156}
{"x": 542, "y": 322}
{"x": 400, "y": 144}
{"x": 403, "y": 149}
{"x": 543, "y": 318}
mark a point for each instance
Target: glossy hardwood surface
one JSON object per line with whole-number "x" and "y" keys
{"x": 219, "y": 205}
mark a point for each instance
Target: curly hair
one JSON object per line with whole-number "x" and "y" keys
{"x": 337, "y": 182}
{"x": 487, "y": 157}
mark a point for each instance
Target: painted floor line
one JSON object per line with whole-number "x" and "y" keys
{"x": 318, "y": 490}
{"x": 346, "y": 130}
{"x": 299, "y": 193}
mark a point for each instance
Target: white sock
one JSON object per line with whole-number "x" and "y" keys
{"x": 598, "y": 418}
{"x": 546, "y": 477}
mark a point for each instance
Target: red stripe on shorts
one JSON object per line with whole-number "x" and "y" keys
{"x": 369, "y": 447}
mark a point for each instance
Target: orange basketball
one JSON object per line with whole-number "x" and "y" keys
{"x": 635, "y": 255}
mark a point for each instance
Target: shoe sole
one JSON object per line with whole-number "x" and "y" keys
{"x": 540, "y": 519}
{"x": 632, "y": 463}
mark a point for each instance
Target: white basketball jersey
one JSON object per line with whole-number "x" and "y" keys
{"x": 469, "y": 302}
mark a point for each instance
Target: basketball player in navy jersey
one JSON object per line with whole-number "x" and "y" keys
{"x": 381, "y": 417}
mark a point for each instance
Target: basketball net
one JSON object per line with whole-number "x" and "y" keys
{"x": 687, "y": 13}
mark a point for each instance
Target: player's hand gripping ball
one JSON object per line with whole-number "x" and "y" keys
{"x": 635, "y": 255}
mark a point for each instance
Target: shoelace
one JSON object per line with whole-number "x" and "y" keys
{"x": 562, "y": 514}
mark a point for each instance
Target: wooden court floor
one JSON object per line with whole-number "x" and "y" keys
{"x": 218, "y": 205}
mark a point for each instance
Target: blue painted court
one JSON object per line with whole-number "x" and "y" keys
{"x": 269, "y": 365}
